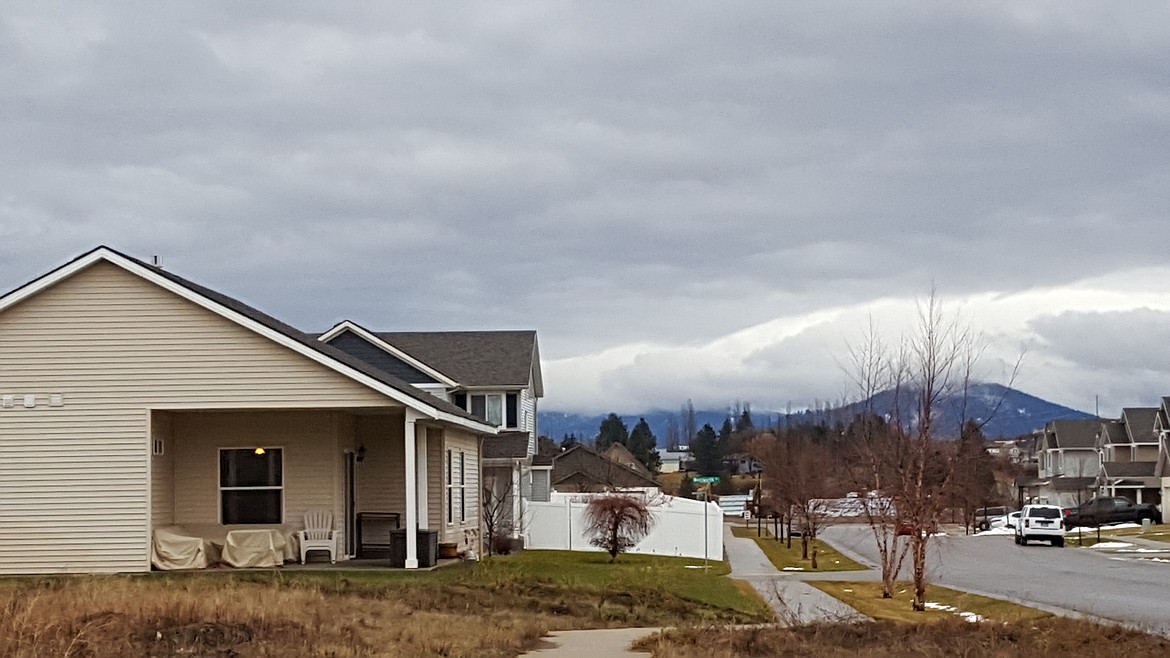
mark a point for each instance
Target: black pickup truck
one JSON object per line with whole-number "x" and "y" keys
{"x": 1106, "y": 510}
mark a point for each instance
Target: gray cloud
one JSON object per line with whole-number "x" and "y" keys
{"x": 606, "y": 173}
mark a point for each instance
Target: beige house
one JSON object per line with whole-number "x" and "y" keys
{"x": 132, "y": 400}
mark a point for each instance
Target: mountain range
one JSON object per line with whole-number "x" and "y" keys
{"x": 1007, "y": 413}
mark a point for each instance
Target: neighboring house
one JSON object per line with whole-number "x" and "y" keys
{"x": 132, "y": 399}
{"x": 1067, "y": 463}
{"x": 581, "y": 469}
{"x": 1128, "y": 449}
{"x": 1162, "y": 466}
{"x": 620, "y": 454}
{"x": 493, "y": 375}
{"x": 674, "y": 461}
{"x": 741, "y": 463}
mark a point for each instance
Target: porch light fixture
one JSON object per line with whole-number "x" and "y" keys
{"x": 361, "y": 453}
{"x": 259, "y": 451}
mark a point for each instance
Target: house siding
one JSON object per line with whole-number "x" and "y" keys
{"x": 310, "y": 451}
{"x": 75, "y": 480}
{"x": 453, "y": 530}
{"x": 528, "y": 414}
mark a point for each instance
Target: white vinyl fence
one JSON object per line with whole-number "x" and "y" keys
{"x": 682, "y": 527}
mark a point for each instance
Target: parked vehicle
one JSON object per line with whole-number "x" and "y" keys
{"x": 1040, "y": 523}
{"x": 985, "y": 515}
{"x": 1007, "y": 521}
{"x": 1108, "y": 510}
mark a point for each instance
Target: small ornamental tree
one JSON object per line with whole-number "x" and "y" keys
{"x": 617, "y": 522}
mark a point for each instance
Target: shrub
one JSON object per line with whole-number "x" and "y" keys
{"x": 617, "y": 522}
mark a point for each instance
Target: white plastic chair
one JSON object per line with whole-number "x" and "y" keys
{"x": 318, "y": 534}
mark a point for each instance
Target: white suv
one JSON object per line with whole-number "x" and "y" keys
{"x": 1043, "y": 522}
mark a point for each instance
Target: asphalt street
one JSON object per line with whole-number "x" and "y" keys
{"x": 1128, "y": 585}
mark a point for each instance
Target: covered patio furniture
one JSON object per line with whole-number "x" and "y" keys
{"x": 254, "y": 548}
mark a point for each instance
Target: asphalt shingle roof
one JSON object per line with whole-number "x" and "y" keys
{"x": 472, "y": 358}
{"x": 508, "y": 445}
{"x": 1139, "y": 423}
{"x": 1076, "y": 433}
{"x": 1129, "y": 469}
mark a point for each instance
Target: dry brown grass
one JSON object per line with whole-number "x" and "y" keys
{"x": 1055, "y": 637}
{"x": 209, "y": 617}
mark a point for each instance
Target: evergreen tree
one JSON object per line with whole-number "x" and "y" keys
{"x": 745, "y": 419}
{"x": 568, "y": 441}
{"x": 689, "y": 426}
{"x": 613, "y": 430}
{"x": 725, "y": 433}
{"x": 705, "y": 449}
{"x": 644, "y": 445}
{"x": 686, "y": 488}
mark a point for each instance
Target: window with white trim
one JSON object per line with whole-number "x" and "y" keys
{"x": 511, "y": 410}
{"x": 450, "y": 488}
{"x": 251, "y": 485}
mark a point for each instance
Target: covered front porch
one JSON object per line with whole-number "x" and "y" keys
{"x": 217, "y": 471}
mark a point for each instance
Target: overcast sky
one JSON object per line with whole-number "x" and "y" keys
{"x": 685, "y": 200}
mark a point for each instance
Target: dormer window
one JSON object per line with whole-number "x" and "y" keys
{"x": 512, "y": 407}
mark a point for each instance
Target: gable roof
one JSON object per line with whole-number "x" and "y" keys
{"x": 261, "y": 323}
{"x": 1113, "y": 432}
{"x": 475, "y": 358}
{"x": 619, "y": 454}
{"x": 364, "y": 344}
{"x": 581, "y": 465}
{"x": 1139, "y": 424}
{"x": 1075, "y": 433}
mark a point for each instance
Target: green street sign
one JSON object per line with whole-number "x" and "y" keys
{"x": 706, "y": 479}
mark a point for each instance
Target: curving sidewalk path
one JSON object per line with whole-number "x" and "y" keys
{"x": 793, "y": 600}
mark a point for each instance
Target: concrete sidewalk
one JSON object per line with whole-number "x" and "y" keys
{"x": 793, "y": 600}
{"x": 602, "y": 643}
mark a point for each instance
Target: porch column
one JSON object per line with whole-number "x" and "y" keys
{"x": 410, "y": 445}
{"x": 421, "y": 470}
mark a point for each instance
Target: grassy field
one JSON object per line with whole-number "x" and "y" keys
{"x": 499, "y": 607}
{"x": 828, "y": 559}
{"x": 866, "y": 598}
{"x": 1045, "y": 638}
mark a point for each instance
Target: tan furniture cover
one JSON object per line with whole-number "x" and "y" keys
{"x": 171, "y": 549}
{"x": 254, "y": 548}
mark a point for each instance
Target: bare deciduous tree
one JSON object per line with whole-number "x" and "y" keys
{"x": 617, "y": 522}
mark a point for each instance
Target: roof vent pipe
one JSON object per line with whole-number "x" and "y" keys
{"x": 156, "y": 261}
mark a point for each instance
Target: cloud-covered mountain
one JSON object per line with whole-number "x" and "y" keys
{"x": 1006, "y": 412}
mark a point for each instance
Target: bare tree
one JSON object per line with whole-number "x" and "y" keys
{"x": 498, "y": 523}
{"x": 801, "y": 480}
{"x": 873, "y": 449}
{"x": 617, "y": 522}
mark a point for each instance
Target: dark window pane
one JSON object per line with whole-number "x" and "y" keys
{"x": 511, "y": 406}
{"x": 252, "y": 506}
{"x": 459, "y": 400}
{"x": 478, "y": 406}
{"x": 244, "y": 468}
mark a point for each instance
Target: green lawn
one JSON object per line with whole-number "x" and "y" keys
{"x": 866, "y": 598}
{"x": 828, "y": 559}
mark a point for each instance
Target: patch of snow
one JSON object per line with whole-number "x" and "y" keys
{"x": 996, "y": 532}
{"x": 968, "y": 616}
{"x": 1104, "y": 528}
{"x": 1112, "y": 544}
{"x": 1146, "y": 550}
{"x": 793, "y": 569}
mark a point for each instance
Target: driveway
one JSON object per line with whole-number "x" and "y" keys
{"x": 1124, "y": 584}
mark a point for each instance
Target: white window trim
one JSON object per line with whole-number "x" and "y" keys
{"x": 450, "y": 487}
{"x": 220, "y": 488}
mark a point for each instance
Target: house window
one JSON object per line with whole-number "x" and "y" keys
{"x": 251, "y": 485}
{"x": 511, "y": 407}
{"x": 488, "y": 407}
{"x": 450, "y": 487}
{"x": 459, "y": 400}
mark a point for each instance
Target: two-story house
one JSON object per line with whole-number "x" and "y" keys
{"x": 494, "y": 375}
{"x": 1067, "y": 463}
{"x": 1128, "y": 449}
